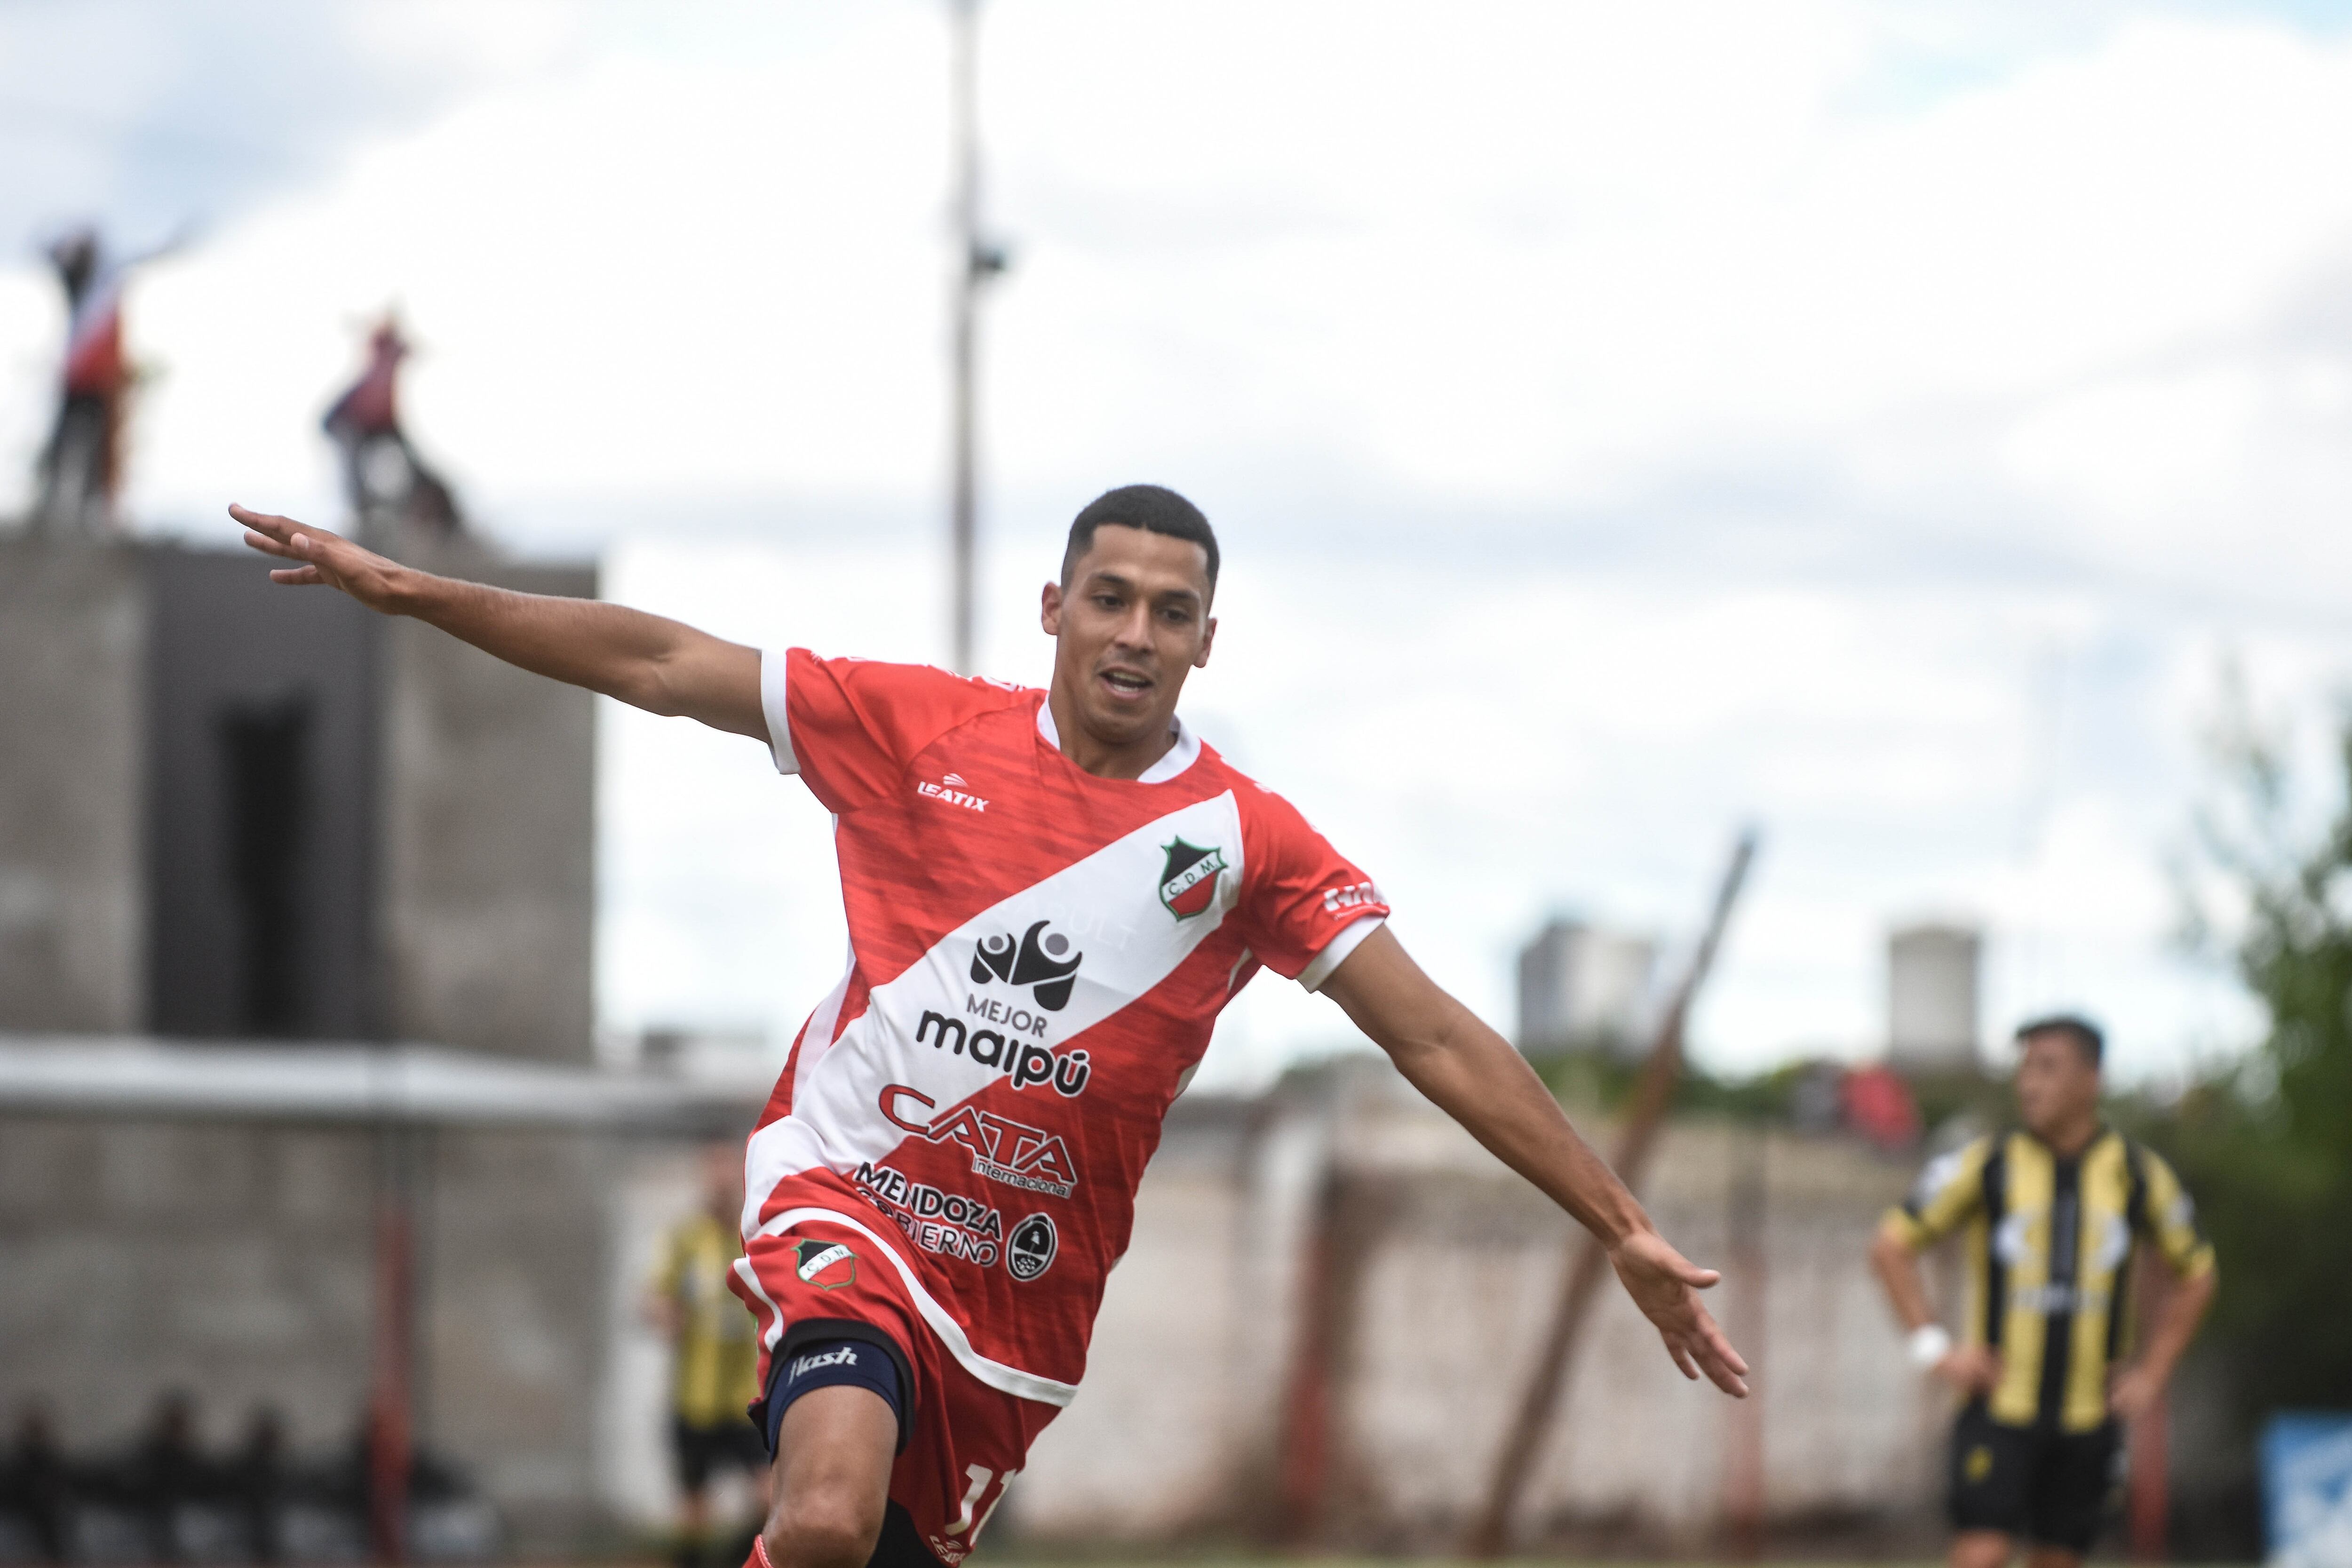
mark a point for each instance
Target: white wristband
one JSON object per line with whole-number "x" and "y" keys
{"x": 1928, "y": 1344}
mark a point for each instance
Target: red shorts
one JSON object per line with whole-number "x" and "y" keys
{"x": 965, "y": 1440}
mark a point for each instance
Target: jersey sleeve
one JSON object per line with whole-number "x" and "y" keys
{"x": 850, "y": 726}
{"x": 1949, "y": 1192}
{"x": 2168, "y": 1217}
{"x": 1305, "y": 907}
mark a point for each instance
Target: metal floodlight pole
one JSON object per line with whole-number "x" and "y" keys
{"x": 978, "y": 259}
{"x": 962, "y": 523}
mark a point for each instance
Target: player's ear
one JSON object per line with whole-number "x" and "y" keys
{"x": 1208, "y": 637}
{"x": 1049, "y": 610}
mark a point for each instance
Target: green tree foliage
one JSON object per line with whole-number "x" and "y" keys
{"x": 2265, "y": 1144}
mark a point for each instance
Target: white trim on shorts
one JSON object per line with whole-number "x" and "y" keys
{"x": 996, "y": 1374}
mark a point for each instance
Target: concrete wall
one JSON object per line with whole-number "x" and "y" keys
{"x": 1463, "y": 1267}
{"x": 1445, "y": 1267}
{"x": 489, "y": 838}
{"x": 236, "y": 1263}
{"x": 230, "y": 1262}
{"x": 514, "y": 1350}
{"x": 72, "y": 897}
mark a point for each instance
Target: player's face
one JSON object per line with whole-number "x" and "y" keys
{"x": 1130, "y": 624}
{"x": 722, "y": 1179}
{"x": 2057, "y": 1086}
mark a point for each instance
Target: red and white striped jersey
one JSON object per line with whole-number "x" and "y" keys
{"x": 1037, "y": 957}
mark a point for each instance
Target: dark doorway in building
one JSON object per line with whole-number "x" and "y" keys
{"x": 265, "y": 748}
{"x": 262, "y": 718}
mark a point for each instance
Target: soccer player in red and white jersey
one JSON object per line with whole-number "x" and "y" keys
{"x": 1050, "y": 897}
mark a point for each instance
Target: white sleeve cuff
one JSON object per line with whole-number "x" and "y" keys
{"x": 1336, "y": 950}
{"x": 771, "y": 704}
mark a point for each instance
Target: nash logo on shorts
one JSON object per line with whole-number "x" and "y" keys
{"x": 1978, "y": 1465}
{"x": 1029, "y": 1250}
{"x": 1188, "y": 883}
{"x": 827, "y": 1265}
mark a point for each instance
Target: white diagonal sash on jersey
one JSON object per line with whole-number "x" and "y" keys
{"x": 1108, "y": 905}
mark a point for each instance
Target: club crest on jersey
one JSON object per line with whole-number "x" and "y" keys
{"x": 1188, "y": 882}
{"x": 1037, "y": 960}
{"x": 1029, "y": 1250}
{"x": 827, "y": 1265}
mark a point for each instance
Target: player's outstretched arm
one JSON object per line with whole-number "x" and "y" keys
{"x": 648, "y": 662}
{"x": 1474, "y": 1075}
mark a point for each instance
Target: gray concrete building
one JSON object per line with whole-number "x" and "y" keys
{"x": 1931, "y": 996}
{"x": 1582, "y": 985}
{"x": 236, "y": 816}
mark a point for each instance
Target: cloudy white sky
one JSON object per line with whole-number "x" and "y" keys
{"x": 1880, "y": 421}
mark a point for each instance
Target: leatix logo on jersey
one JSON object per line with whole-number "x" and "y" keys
{"x": 1188, "y": 882}
{"x": 954, "y": 790}
{"x": 1340, "y": 901}
{"x": 1036, "y": 961}
{"x": 827, "y": 1265}
{"x": 1002, "y": 1149}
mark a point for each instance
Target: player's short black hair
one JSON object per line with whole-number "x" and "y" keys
{"x": 1152, "y": 507}
{"x": 2084, "y": 1034}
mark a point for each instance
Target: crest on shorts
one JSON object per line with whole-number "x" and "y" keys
{"x": 827, "y": 1265}
{"x": 1188, "y": 882}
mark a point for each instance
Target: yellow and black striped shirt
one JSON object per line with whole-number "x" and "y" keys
{"x": 715, "y": 1370}
{"x": 2049, "y": 1247}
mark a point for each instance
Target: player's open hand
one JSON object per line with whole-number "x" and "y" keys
{"x": 2134, "y": 1392}
{"x": 319, "y": 557}
{"x": 1665, "y": 1286}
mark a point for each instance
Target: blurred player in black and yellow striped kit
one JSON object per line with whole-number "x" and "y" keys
{"x": 2053, "y": 1216}
{"x": 714, "y": 1354}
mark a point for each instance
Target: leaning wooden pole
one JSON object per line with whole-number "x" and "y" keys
{"x": 1587, "y": 1263}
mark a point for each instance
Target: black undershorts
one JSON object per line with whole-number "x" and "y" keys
{"x": 703, "y": 1451}
{"x": 2048, "y": 1486}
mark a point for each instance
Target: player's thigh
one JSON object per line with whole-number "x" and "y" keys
{"x": 1980, "y": 1549}
{"x": 2073, "y": 1484}
{"x": 831, "y": 1479}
